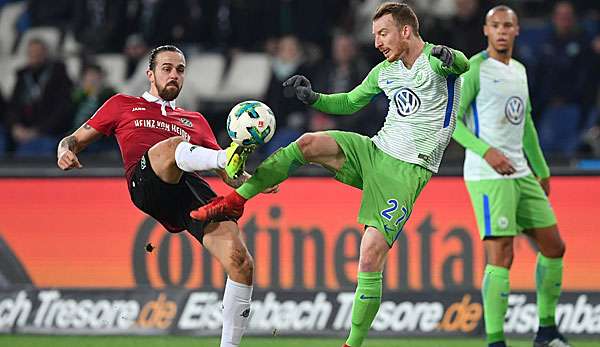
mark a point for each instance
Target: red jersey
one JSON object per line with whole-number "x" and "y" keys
{"x": 139, "y": 124}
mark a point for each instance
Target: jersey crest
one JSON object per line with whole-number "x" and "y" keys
{"x": 420, "y": 78}
{"x": 186, "y": 122}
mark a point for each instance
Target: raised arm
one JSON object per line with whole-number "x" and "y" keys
{"x": 352, "y": 101}
{"x": 73, "y": 144}
{"x": 339, "y": 103}
{"x": 446, "y": 61}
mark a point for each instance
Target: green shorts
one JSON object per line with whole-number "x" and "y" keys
{"x": 390, "y": 186}
{"x": 506, "y": 207}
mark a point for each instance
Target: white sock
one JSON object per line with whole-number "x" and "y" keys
{"x": 190, "y": 158}
{"x": 236, "y": 312}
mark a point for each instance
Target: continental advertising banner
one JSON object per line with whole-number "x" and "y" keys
{"x": 83, "y": 241}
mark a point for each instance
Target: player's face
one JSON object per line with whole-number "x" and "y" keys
{"x": 390, "y": 40}
{"x": 36, "y": 54}
{"x": 501, "y": 28}
{"x": 168, "y": 74}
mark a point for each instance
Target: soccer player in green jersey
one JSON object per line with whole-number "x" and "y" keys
{"x": 508, "y": 198}
{"x": 420, "y": 81}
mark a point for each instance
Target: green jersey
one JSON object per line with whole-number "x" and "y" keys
{"x": 495, "y": 111}
{"x": 423, "y": 101}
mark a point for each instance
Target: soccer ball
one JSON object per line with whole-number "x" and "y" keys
{"x": 251, "y": 123}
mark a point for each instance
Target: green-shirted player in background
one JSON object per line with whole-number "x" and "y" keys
{"x": 506, "y": 196}
{"x": 420, "y": 81}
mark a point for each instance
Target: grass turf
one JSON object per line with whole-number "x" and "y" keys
{"x": 181, "y": 341}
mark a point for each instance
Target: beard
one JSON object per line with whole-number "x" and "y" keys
{"x": 166, "y": 93}
{"x": 403, "y": 46}
{"x": 402, "y": 49}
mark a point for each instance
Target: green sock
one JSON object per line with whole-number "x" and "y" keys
{"x": 274, "y": 170}
{"x": 366, "y": 304}
{"x": 495, "y": 289}
{"x": 548, "y": 278}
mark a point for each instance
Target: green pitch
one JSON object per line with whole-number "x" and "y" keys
{"x": 160, "y": 341}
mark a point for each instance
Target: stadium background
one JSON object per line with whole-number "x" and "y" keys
{"x": 72, "y": 246}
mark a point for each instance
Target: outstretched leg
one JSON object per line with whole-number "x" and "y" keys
{"x": 173, "y": 156}
{"x": 224, "y": 242}
{"x": 318, "y": 148}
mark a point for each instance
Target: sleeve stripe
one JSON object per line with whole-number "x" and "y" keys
{"x": 450, "y": 81}
{"x": 475, "y": 117}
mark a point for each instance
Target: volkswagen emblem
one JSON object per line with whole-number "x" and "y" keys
{"x": 514, "y": 110}
{"x": 407, "y": 102}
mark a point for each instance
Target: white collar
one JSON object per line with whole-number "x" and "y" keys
{"x": 163, "y": 103}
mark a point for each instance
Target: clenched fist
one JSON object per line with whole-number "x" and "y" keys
{"x": 67, "y": 160}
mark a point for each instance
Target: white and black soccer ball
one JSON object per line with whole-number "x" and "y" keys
{"x": 251, "y": 123}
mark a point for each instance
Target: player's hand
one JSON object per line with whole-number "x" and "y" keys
{"x": 444, "y": 54}
{"x": 271, "y": 190}
{"x": 302, "y": 87}
{"x": 545, "y": 183}
{"x": 67, "y": 160}
{"x": 499, "y": 162}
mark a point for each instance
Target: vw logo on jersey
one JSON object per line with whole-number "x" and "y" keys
{"x": 407, "y": 102}
{"x": 514, "y": 110}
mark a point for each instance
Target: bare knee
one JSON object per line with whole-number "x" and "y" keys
{"x": 373, "y": 251}
{"x": 309, "y": 145}
{"x": 371, "y": 259}
{"x": 499, "y": 251}
{"x": 242, "y": 266}
{"x": 169, "y": 144}
{"x": 165, "y": 150}
{"x": 368, "y": 262}
{"x": 548, "y": 241}
{"x": 162, "y": 159}
{"x": 555, "y": 250}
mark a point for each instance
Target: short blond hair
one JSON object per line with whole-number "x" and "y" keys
{"x": 402, "y": 14}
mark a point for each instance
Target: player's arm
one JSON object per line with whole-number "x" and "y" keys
{"x": 465, "y": 137}
{"x": 339, "y": 103}
{"x": 73, "y": 144}
{"x": 462, "y": 134}
{"x": 533, "y": 151}
{"x": 353, "y": 101}
{"x": 447, "y": 61}
{"x": 103, "y": 122}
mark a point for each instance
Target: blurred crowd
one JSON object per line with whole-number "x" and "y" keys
{"x": 62, "y": 59}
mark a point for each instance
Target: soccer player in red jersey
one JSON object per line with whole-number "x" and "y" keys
{"x": 162, "y": 148}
